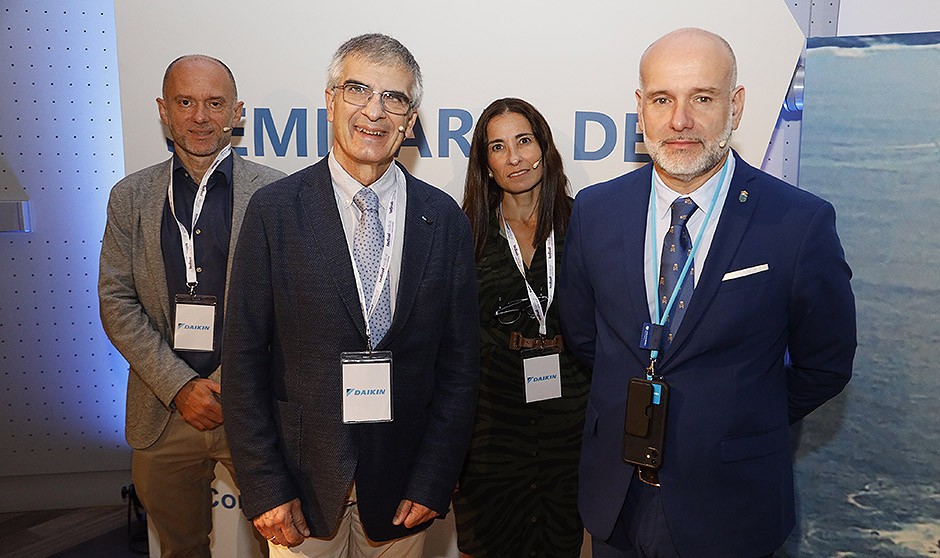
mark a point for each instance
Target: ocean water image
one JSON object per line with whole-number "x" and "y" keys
{"x": 868, "y": 462}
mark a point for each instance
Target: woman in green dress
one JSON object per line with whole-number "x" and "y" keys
{"x": 517, "y": 495}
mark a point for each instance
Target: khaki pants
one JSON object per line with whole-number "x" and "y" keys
{"x": 351, "y": 541}
{"x": 173, "y": 478}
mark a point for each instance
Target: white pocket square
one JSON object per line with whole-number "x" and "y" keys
{"x": 745, "y": 272}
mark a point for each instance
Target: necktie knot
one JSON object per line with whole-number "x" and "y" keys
{"x": 682, "y": 208}
{"x": 366, "y": 200}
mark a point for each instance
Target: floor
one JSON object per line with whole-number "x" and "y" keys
{"x": 99, "y": 532}
{"x": 103, "y": 533}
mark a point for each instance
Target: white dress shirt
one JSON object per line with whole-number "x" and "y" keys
{"x": 345, "y": 187}
{"x": 664, "y": 198}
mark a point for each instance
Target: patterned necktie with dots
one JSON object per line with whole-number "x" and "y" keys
{"x": 368, "y": 241}
{"x": 676, "y": 248}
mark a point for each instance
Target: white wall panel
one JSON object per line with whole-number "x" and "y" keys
{"x": 62, "y": 385}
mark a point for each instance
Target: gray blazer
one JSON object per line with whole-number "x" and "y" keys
{"x": 132, "y": 291}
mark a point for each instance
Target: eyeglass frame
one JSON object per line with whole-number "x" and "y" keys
{"x": 383, "y": 96}
{"x": 521, "y": 305}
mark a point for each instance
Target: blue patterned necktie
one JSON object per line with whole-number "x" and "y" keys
{"x": 367, "y": 251}
{"x": 676, "y": 248}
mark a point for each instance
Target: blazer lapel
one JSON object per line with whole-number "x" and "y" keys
{"x": 732, "y": 226}
{"x": 323, "y": 229}
{"x": 420, "y": 223}
{"x": 635, "y": 209}
{"x": 242, "y": 189}
{"x": 242, "y": 181}
{"x": 151, "y": 221}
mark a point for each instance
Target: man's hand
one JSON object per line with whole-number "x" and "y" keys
{"x": 412, "y": 513}
{"x": 198, "y": 402}
{"x": 284, "y": 525}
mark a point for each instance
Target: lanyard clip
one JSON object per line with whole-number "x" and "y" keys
{"x": 651, "y": 370}
{"x": 192, "y": 288}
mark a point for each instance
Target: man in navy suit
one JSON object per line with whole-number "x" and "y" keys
{"x": 351, "y": 380}
{"x": 764, "y": 334}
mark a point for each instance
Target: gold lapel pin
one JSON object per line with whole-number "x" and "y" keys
{"x": 742, "y": 197}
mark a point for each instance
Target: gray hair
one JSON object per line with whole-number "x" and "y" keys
{"x": 377, "y": 48}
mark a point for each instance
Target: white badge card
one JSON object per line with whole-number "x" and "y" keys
{"x": 195, "y": 323}
{"x": 367, "y": 386}
{"x": 542, "y": 377}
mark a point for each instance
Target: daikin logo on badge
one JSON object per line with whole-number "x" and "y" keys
{"x": 193, "y": 327}
{"x": 533, "y": 379}
{"x": 356, "y": 391}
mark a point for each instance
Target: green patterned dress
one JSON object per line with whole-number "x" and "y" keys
{"x": 518, "y": 492}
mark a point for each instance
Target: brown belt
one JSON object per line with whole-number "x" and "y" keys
{"x": 517, "y": 341}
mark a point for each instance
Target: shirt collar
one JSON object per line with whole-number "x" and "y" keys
{"x": 702, "y": 196}
{"x": 347, "y": 186}
{"x": 226, "y": 167}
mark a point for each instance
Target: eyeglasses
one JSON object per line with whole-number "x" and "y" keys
{"x": 359, "y": 95}
{"x": 512, "y": 311}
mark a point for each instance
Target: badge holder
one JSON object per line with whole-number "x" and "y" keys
{"x": 645, "y": 427}
{"x": 541, "y": 365}
{"x": 367, "y": 386}
{"x": 194, "y": 329}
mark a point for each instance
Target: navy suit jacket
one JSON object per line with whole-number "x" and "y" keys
{"x": 751, "y": 356}
{"x": 294, "y": 307}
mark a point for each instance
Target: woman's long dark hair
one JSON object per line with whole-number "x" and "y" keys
{"x": 482, "y": 195}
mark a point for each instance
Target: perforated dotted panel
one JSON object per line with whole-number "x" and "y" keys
{"x": 62, "y": 384}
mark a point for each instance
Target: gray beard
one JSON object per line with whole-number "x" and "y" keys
{"x": 684, "y": 168}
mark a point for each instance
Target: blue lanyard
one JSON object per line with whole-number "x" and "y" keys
{"x": 661, "y": 320}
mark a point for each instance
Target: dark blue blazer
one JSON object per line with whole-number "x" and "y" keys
{"x": 293, "y": 308}
{"x": 751, "y": 356}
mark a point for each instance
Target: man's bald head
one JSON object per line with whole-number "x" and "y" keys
{"x": 199, "y": 58}
{"x": 688, "y": 104}
{"x": 693, "y": 42}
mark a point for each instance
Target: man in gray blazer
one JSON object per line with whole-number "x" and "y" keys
{"x": 163, "y": 278}
{"x": 352, "y": 346}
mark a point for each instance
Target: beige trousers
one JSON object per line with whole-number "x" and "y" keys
{"x": 173, "y": 478}
{"x": 351, "y": 541}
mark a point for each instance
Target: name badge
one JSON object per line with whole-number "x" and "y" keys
{"x": 651, "y": 337}
{"x": 542, "y": 372}
{"x": 367, "y": 386}
{"x": 195, "y": 323}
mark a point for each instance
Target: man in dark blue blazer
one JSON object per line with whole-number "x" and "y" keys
{"x": 313, "y": 471}
{"x": 767, "y": 336}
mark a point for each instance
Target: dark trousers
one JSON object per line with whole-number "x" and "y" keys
{"x": 641, "y": 530}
